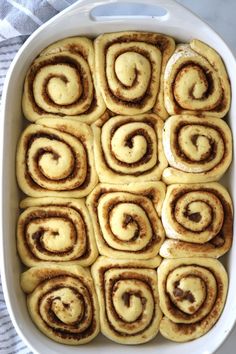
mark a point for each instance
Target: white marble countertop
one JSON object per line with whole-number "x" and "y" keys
{"x": 220, "y": 15}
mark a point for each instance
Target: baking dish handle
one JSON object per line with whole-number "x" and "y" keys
{"x": 174, "y": 14}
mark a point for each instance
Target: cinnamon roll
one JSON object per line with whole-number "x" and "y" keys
{"x": 192, "y": 294}
{"x": 196, "y": 82}
{"x": 55, "y": 158}
{"x": 61, "y": 83}
{"x": 55, "y": 230}
{"x": 128, "y": 299}
{"x": 130, "y": 68}
{"x": 198, "y": 219}
{"x": 129, "y": 149}
{"x": 198, "y": 150}
{"x": 62, "y": 302}
{"x": 126, "y": 219}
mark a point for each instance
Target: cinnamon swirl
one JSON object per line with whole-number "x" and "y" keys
{"x": 198, "y": 219}
{"x": 55, "y": 158}
{"x": 126, "y": 219}
{"x": 129, "y": 149}
{"x": 196, "y": 82}
{"x": 62, "y": 302}
{"x": 198, "y": 150}
{"x": 128, "y": 299}
{"x": 192, "y": 294}
{"x": 55, "y": 230}
{"x": 130, "y": 68}
{"x": 61, "y": 83}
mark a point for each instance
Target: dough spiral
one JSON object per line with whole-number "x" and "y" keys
{"x": 126, "y": 219}
{"x": 129, "y": 149}
{"x": 130, "y": 68}
{"x": 196, "y": 82}
{"x": 198, "y": 150}
{"x": 128, "y": 299}
{"x": 192, "y": 294}
{"x": 55, "y": 230}
{"x": 61, "y": 83}
{"x": 55, "y": 158}
{"x": 62, "y": 302}
{"x": 198, "y": 219}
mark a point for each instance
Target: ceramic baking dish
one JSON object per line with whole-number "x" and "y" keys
{"x": 168, "y": 17}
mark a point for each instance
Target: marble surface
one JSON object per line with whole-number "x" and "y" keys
{"x": 220, "y": 15}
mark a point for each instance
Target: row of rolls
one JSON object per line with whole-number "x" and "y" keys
{"x": 129, "y": 293}
{"x": 67, "y": 158}
{"x": 130, "y": 221}
{"x": 129, "y": 301}
{"x": 120, "y": 170}
{"x": 126, "y": 73}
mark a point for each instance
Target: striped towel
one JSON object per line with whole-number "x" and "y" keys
{"x": 18, "y": 19}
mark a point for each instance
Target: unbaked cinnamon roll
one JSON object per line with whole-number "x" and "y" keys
{"x": 128, "y": 299}
{"x": 130, "y": 68}
{"x": 55, "y": 230}
{"x": 62, "y": 302}
{"x": 198, "y": 150}
{"x": 129, "y": 149}
{"x": 126, "y": 219}
{"x": 55, "y": 158}
{"x": 192, "y": 294}
{"x": 198, "y": 220}
{"x": 61, "y": 83}
{"x": 196, "y": 81}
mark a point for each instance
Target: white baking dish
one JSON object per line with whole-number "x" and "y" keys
{"x": 77, "y": 20}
